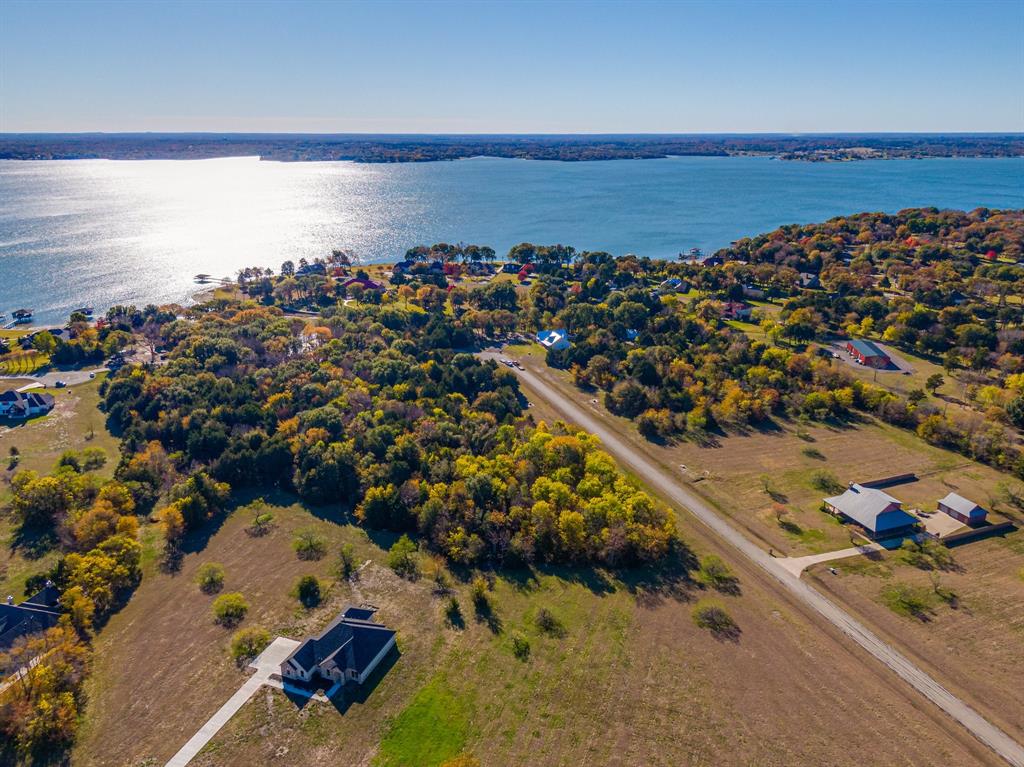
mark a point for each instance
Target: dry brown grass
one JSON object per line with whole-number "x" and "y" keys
{"x": 977, "y": 646}
{"x": 632, "y": 681}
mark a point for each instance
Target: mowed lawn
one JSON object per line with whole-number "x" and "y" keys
{"x": 628, "y": 680}
{"x": 976, "y": 646}
{"x": 73, "y": 424}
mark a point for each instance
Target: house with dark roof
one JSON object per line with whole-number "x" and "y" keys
{"x": 39, "y": 612}
{"x": 962, "y": 509}
{"x": 349, "y": 649}
{"x": 22, "y": 404}
{"x": 877, "y": 512}
{"x": 366, "y": 284}
{"x": 868, "y": 353}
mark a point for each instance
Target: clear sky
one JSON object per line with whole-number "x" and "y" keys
{"x": 512, "y": 67}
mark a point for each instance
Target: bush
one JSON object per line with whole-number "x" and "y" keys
{"x": 307, "y": 590}
{"x": 712, "y": 616}
{"x": 478, "y": 590}
{"x": 93, "y": 458}
{"x": 309, "y": 544}
{"x": 210, "y": 577}
{"x": 453, "y": 613}
{"x": 229, "y": 609}
{"x": 548, "y": 623}
{"x": 520, "y": 646}
{"x": 402, "y": 558}
{"x": 825, "y": 481}
{"x": 908, "y": 600}
{"x": 346, "y": 561}
{"x": 248, "y": 643}
{"x": 716, "y": 574}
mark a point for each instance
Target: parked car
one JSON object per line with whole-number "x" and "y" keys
{"x": 59, "y": 384}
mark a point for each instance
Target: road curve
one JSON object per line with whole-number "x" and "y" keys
{"x": 1001, "y": 743}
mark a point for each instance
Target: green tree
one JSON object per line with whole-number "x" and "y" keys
{"x": 230, "y": 609}
{"x": 402, "y": 558}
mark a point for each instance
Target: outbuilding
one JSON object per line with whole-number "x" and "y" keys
{"x": 962, "y": 509}
{"x": 868, "y": 354}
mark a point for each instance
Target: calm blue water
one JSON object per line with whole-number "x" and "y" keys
{"x": 103, "y": 232}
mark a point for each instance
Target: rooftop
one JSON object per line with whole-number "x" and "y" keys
{"x": 959, "y": 503}
{"x": 871, "y": 508}
{"x": 867, "y": 348}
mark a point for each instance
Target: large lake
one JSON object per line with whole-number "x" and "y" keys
{"x": 105, "y": 232}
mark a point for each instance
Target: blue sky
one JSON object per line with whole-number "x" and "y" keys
{"x": 512, "y": 67}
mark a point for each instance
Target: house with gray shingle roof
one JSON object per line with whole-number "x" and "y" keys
{"x": 39, "y": 612}
{"x": 349, "y": 649}
{"x": 881, "y": 515}
{"x": 22, "y": 404}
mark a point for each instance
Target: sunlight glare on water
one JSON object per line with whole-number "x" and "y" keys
{"x": 105, "y": 232}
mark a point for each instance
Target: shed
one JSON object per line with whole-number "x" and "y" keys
{"x": 962, "y": 509}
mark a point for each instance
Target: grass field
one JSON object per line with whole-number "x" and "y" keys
{"x": 976, "y": 645}
{"x": 22, "y": 362}
{"x": 746, "y": 475}
{"x": 628, "y": 679}
{"x": 73, "y": 424}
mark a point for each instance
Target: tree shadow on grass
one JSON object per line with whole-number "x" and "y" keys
{"x": 485, "y": 614}
{"x": 33, "y": 542}
{"x": 670, "y": 578}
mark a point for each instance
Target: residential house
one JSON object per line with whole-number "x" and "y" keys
{"x": 511, "y": 267}
{"x": 348, "y": 650}
{"x": 736, "y": 310}
{"x": 957, "y": 298}
{"x": 553, "y": 339}
{"x": 364, "y": 283}
{"x": 39, "y": 612}
{"x": 877, "y": 512}
{"x": 22, "y": 404}
{"x": 402, "y": 266}
{"x": 962, "y": 509}
{"x": 752, "y": 291}
{"x": 314, "y": 268}
{"x": 867, "y": 353}
{"x": 809, "y": 280}
{"x": 673, "y": 285}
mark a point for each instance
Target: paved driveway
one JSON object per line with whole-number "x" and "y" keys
{"x": 268, "y": 662}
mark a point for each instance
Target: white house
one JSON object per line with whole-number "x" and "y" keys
{"x": 553, "y": 339}
{"x": 22, "y": 404}
{"x": 349, "y": 649}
